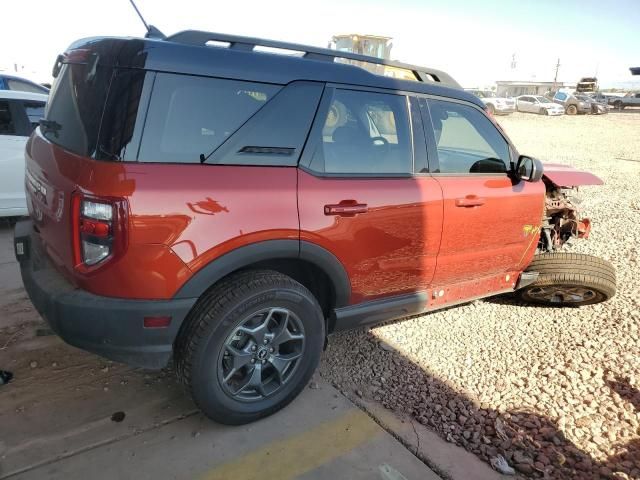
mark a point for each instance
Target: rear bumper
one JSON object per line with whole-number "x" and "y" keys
{"x": 110, "y": 327}
{"x": 504, "y": 109}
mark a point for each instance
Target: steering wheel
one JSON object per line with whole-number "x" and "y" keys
{"x": 384, "y": 141}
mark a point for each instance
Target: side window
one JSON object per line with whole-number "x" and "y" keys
{"x": 189, "y": 116}
{"x": 561, "y": 96}
{"x": 467, "y": 141}
{"x": 365, "y": 133}
{"x": 34, "y": 111}
{"x": 7, "y": 125}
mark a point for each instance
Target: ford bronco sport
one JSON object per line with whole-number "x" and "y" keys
{"x": 199, "y": 198}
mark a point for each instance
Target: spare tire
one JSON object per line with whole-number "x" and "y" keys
{"x": 569, "y": 279}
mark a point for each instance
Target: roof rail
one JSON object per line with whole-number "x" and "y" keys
{"x": 236, "y": 42}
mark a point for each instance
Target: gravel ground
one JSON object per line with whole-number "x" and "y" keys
{"x": 556, "y": 392}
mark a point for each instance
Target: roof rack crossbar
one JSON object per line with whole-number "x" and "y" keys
{"x": 200, "y": 38}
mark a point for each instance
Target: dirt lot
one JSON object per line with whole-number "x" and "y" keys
{"x": 555, "y": 391}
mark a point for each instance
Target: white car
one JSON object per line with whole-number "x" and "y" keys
{"x": 538, "y": 104}
{"x": 495, "y": 105}
{"x": 20, "y": 113}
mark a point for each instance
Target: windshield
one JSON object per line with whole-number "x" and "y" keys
{"x": 541, "y": 99}
{"x": 584, "y": 98}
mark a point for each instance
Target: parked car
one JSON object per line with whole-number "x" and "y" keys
{"x": 600, "y": 97}
{"x": 629, "y": 100}
{"x": 597, "y": 108}
{"x": 19, "y": 115}
{"x": 538, "y": 104}
{"x": 10, "y": 82}
{"x": 229, "y": 208}
{"x": 572, "y": 105}
{"x": 495, "y": 105}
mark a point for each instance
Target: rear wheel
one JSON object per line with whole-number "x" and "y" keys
{"x": 572, "y": 110}
{"x": 618, "y": 104}
{"x": 569, "y": 279}
{"x": 250, "y": 346}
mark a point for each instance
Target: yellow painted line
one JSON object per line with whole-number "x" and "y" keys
{"x": 301, "y": 453}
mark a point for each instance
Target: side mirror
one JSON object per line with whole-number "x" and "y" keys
{"x": 529, "y": 169}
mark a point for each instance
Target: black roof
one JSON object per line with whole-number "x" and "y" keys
{"x": 188, "y": 53}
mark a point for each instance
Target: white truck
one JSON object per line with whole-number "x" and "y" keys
{"x": 629, "y": 100}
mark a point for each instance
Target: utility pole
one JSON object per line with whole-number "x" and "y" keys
{"x": 555, "y": 79}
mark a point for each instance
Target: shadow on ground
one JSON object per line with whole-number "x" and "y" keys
{"x": 534, "y": 445}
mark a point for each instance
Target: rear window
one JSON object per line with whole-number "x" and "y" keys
{"x": 189, "y": 116}
{"x": 75, "y": 107}
{"x": 13, "y": 84}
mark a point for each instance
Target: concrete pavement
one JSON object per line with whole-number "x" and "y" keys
{"x": 69, "y": 414}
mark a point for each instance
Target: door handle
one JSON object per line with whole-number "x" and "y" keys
{"x": 469, "y": 201}
{"x": 346, "y": 209}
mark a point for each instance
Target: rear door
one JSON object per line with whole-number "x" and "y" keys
{"x": 490, "y": 221}
{"x": 364, "y": 195}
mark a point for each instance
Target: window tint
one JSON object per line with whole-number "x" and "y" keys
{"x": 365, "y": 133}
{"x": 13, "y": 84}
{"x": 7, "y": 125}
{"x": 75, "y": 107}
{"x": 189, "y": 116}
{"x": 121, "y": 118}
{"x": 561, "y": 96}
{"x": 467, "y": 141}
{"x": 34, "y": 111}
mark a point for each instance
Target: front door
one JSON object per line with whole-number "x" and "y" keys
{"x": 491, "y": 222}
{"x": 525, "y": 104}
{"x": 362, "y": 196}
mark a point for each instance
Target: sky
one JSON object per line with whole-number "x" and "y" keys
{"x": 474, "y": 41}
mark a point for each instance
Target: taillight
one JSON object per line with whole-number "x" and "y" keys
{"x": 99, "y": 230}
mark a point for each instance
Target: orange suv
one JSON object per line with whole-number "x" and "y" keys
{"x": 197, "y": 197}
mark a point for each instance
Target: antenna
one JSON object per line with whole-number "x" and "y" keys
{"x": 152, "y": 32}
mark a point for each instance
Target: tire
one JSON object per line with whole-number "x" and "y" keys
{"x": 572, "y": 110}
{"x": 543, "y": 111}
{"x": 618, "y": 104}
{"x": 491, "y": 109}
{"x": 220, "y": 334}
{"x": 569, "y": 279}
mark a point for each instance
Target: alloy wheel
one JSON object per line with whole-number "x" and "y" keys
{"x": 261, "y": 354}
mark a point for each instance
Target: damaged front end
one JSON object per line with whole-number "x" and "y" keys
{"x": 561, "y": 223}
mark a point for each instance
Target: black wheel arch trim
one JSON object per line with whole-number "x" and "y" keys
{"x": 248, "y": 255}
